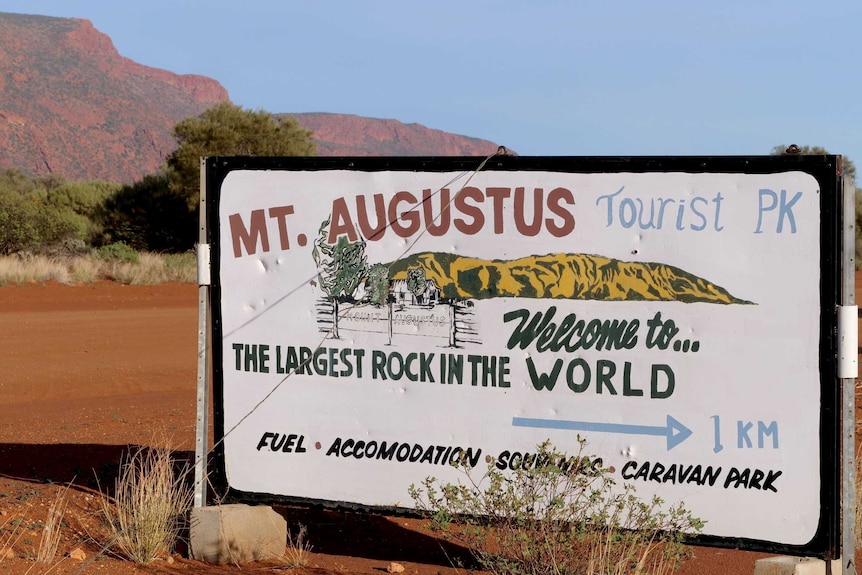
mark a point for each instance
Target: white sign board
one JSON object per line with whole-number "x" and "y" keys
{"x": 375, "y": 325}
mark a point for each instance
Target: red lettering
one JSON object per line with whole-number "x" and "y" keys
{"x": 242, "y": 237}
{"x": 436, "y": 229}
{"x": 475, "y": 212}
{"x": 379, "y": 230}
{"x": 341, "y": 222}
{"x": 410, "y": 216}
{"x": 280, "y": 214}
{"x": 557, "y": 196}
{"x": 498, "y": 195}
{"x": 521, "y": 225}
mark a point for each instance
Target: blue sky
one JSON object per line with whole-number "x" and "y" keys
{"x": 576, "y": 77}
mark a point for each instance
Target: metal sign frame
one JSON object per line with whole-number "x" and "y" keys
{"x": 836, "y": 266}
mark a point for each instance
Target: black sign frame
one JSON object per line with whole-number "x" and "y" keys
{"x": 825, "y": 169}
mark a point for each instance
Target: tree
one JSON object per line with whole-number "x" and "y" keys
{"x": 416, "y": 282}
{"x": 847, "y": 165}
{"x": 378, "y": 284}
{"x": 160, "y": 212}
{"x": 146, "y": 215}
{"x": 229, "y": 130}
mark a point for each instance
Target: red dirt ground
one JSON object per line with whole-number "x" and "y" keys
{"x": 86, "y": 371}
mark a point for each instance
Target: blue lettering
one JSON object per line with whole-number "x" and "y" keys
{"x": 627, "y": 212}
{"x": 785, "y": 209}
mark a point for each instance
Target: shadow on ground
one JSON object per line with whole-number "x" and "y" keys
{"x": 379, "y": 537}
{"x": 334, "y": 532}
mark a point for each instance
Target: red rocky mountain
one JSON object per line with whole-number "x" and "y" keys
{"x": 72, "y": 105}
{"x": 346, "y": 135}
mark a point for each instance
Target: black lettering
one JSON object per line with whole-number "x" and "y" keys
{"x": 771, "y": 476}
{"x": 544, "y": 380}
{"x": 264, "y": 439}
{"x": 656, "y": 473}
{"x": 335, "y": 448}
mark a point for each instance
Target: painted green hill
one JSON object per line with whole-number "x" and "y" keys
{"x": 561, "y": 276}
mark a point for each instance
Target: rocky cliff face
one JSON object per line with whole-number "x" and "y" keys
{"x": 73, "y": 106}
{"x": 347, "y": 135}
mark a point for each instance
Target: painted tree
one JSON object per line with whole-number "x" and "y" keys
{"x": 416, "y": 282}
{"x": 377, "y": 283}
{"x": 341, "y": 266}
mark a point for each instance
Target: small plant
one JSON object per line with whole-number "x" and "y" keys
{"x": 51, "y": 530}
{"x": 118, "y": 251}
{"x": 8, "y": 540}
{"x": 298, "y": 552}
{"x": 557, "y": 515}
{"x": 149, "y": 505}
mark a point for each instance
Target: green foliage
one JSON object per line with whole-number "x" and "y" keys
{"x": 49, "y": 214}
{"x": 229, "y": 130}
{"x": 83, "y": 198}
{"x": 557, "y": 515}
{"x": 118, "y": 251}
{"x": 84, "y": 201}
{"x": 160, "y": 212}
{"x": 147, "y": 215}
{"x": 28, "y": 221}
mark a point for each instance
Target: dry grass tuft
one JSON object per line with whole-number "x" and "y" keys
{"x": 15, "y": 269}
{"x": 149, "y": 269}
{"x": 51, "y": 532}
{"x": 149, "y": 506}
{"x": 298, "y": 552}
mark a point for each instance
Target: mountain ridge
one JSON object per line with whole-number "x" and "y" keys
{"x": 352, "y": 135}
{"x": 74, "y": 106}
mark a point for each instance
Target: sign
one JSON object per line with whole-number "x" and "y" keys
{"x": 379, "y": 319}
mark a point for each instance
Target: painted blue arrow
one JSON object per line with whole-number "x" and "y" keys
{"x": 675, "y": 431}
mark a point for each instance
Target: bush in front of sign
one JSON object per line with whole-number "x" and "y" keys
{"x": 557, "y": 514}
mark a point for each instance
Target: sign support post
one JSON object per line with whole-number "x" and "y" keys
{"x": 849, "y": 331}
{"x": 202, "y": 421}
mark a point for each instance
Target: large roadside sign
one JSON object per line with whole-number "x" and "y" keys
{"x": 376, "y": 319}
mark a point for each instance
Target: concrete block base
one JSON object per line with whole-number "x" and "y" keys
{"x": 236, "y": 534}
{"x": 794, "y": 566}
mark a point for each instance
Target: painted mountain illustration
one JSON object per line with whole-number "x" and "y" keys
{"x": 561, "y": 276}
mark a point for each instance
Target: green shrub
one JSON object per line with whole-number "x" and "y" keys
{"x": 148, "y": 216}
{"x": 118, "y": 251}
{"x": 27, "y": 223}
{"x": 557, "y": 515}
